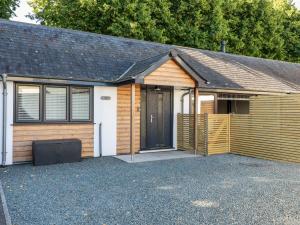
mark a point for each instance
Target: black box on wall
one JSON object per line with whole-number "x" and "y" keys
{"x": 56, "y": 151}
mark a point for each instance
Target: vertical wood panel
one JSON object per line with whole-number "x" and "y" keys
{"x": 123, "y": 118}
{"x": 132, "y": 119}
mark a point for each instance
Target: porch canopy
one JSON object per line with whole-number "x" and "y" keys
{"x": 167, "y": 69}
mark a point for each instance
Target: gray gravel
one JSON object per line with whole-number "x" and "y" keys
{"x": 2, "y": 216}
{"x": 224, "y": 189}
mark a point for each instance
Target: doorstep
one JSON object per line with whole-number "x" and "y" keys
{"x": 157, "y": 150}
{"x": 156, "y": 156}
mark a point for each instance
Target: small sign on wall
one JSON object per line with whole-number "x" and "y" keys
{"x": 105, "y": 98}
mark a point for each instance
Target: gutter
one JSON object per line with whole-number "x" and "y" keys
{"x": 245, "y": 91}
{"x": 54, "y": 80}
{"x": 4, "y": 118}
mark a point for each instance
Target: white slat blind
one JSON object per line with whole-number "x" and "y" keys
{"x": 80, "y": 98}
{"x": 56, "y": 103}
{"x": 28, "y": 107}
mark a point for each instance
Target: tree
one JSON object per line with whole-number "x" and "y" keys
{"x": 256, "y": 30}
{"x": 146, "y": 19}
{"x": 261, "y": 28}
{"x": 291, "y": 33}
{"x": 218, "y": 27}
{"x": 188, "y": 23}
{"x": 7, "y": 8}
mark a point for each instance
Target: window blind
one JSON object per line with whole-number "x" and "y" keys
{"x": 56, "y": 103}
{"x": 28, "y": 99}
{"x": 80, "y": 99}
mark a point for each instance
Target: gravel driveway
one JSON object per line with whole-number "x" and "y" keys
{"x": 224, "y": 189}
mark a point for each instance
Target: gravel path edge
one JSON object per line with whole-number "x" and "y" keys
{"x": 4, "y": 206}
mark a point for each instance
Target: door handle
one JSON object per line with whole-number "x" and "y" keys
{"x": 151, "y": 118}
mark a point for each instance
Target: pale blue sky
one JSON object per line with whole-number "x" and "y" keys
{"x": 24, "y": 9}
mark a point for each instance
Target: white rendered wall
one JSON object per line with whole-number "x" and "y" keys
{"x": 9, "y": 125}
{"x": 202, "y": 98}
{"x": 105, "y": 112}
{"x": 177, "y": 109}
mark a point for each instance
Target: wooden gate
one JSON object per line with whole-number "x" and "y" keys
{"x": 213, "y": 133}
{"x": 218, "y": 133}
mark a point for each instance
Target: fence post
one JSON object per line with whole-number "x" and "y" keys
{"x": 132, "y": 121}
{"x": 182, "y": 131}
{"x": 206, "y": 134}
{"x": 196, "y": 97}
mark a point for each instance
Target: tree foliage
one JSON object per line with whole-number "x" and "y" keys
{"x": 262, "y": 28}
{"x": 7, "y": 8}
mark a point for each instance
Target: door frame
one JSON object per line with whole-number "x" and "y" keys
{"x": 142, "y": 120}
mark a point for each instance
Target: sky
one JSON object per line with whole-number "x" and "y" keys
{"x": 25, "y": 9}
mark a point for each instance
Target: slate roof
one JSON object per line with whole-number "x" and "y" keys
{"x": 27, "y": 49}
{"x": 140, "y": 66}
{"x": 224, "y": 70}
{"x": 39, "y": 51}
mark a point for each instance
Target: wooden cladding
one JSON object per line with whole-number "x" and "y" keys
{"x": 123, "y": 118}
{"x": 270, "y": 131}
{"x": 23, "y": 135}
{"x": 170, "y": 74}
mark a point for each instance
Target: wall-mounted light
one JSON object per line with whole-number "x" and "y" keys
{"x": 157, "y": 88}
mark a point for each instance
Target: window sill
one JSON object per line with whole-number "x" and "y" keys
{"x": 50, "y": 123}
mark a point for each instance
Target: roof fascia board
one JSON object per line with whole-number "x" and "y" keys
{"x": 56, "y": 81}
{"x": 129, "y": 81}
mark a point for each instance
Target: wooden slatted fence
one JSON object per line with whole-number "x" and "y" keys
{"x": 185, "y": 132}
{"x": 270, "y": 131}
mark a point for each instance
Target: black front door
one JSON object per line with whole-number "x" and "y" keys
{"x": 156, "y": 117}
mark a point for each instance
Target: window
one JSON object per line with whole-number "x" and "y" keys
{"x": 28, "y": 103}
{"x": 80, "y": 103}
{"x": 56, "y": 103}
{"x": 49, "y": 103}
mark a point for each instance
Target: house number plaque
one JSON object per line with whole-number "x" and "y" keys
{"x": 106, "y": 98}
